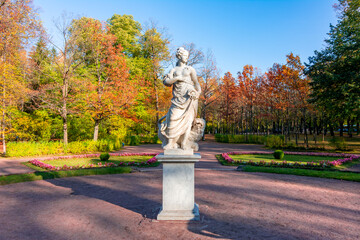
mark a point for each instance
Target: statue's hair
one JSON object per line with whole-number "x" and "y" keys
{"x": 181, "y": 51}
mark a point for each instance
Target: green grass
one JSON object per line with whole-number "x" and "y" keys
{"x": 290, "y": 158}
{"x": 86, "y": 161}
{"x": 348, "y": 176}
{"x": 36, "y": 168}
{"x": 287, "y": 157}
{"x": 43, "y": 175}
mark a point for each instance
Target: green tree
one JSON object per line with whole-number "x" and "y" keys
{"x": 127, "y": 32}
{"x": 335, "y": 70}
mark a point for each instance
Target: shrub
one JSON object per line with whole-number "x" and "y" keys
{"x": 104, "y": 156}
{"x": 134, "y": 140}
{"x": 278, "y": 154}
{"x": 22, "y": 149}
{"x": 273, "y": 141}
{"x": 338, "y": 143}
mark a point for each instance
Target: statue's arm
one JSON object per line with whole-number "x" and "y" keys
{"x": 194, "y": 78}
{"x": 169, "y": 79}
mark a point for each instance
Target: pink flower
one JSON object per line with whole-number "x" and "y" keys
{"x": 346, "y": 158}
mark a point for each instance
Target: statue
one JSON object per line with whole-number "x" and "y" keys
{"x": 179, "y": 128}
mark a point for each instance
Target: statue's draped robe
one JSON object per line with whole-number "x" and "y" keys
{"x": 182, "y": 112}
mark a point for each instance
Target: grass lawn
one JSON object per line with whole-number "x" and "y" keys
{"x": 348, "y": 176}
{"x": 287, "y": 157}
{"x": 239, "y": 159}
{"x": 333, "y": 172}
{"x": 43, "y": 175}
{"x": 95, "y": 161}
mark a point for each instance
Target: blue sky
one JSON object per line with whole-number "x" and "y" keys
{"x": 239, "y": 32}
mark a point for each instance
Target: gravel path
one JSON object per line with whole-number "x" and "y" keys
{"x": 233, "y": 205}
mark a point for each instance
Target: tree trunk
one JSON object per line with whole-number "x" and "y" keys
{"x": 3, "y": 133}
{"x": 96, "y": 130}
{"x": 341, "y": 123}
{"x": 65, "y": 129}
{"x": 331, "y": 128}
{"x": 315, "y": 129}
{"x": 349, "y": 127}
{"x": 296, "y": 132}
{"x": 323, "y": 124}
{"x": 305, "y": 130}
{"x": 64, "y": 111}
{"x": 3, "y": 112}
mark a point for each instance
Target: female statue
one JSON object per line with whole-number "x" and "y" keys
{"x": 176, "y": 130}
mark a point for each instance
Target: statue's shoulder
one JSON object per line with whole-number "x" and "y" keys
{"x": 191, "y": 69}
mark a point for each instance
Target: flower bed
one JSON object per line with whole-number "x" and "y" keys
{"x": 39, "y": 163}
{"x": 343, "y": 158}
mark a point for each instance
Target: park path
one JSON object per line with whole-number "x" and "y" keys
{"x": 233, "y": 205}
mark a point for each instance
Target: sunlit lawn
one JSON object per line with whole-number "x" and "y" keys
{"x": 43, "y": 175}
{"x": 287, "y": 157}
{"x": 95, "y": 161}
{"x": 353, "y": 142}
{"x": 349, "y": 176}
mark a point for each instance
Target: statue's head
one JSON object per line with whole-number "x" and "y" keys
{"x": 182, "y": 54}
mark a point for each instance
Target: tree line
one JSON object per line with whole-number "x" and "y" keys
{"x": 96, "y": 79}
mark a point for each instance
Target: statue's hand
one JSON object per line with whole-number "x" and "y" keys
{"x": 166, "y": 77}
{"x": 179, "y": 79}
{"x": 194, "y": 94}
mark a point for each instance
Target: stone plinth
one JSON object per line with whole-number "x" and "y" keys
{"x": 178, "y": 187}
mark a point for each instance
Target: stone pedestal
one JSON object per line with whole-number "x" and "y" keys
{"x": 178, "y": 187}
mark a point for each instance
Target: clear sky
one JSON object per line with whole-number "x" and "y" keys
{"x": 239, "y": 32}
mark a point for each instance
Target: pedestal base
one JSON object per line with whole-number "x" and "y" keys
{"x": 178, "y": 187}
{"x": 186, "y": 215}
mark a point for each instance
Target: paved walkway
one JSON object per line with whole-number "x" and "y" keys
{"x": 233, "y": 205}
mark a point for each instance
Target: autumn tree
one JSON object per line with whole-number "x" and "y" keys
{"x": 228, "y": 91}
{"x": 208, "y": 79}
{"x": 109, "y": 90}
{"x": 249, "y": 82}
{"x": 58, "y": 92}
{"x": 155, "y": 49}
{"x": 18, "y": 24}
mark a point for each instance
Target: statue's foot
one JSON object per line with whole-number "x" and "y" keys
{"x": 169, "y": 146}
{"x": 186, "y": 145}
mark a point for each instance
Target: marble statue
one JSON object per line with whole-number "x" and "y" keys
{"x": 179, "y": 128}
